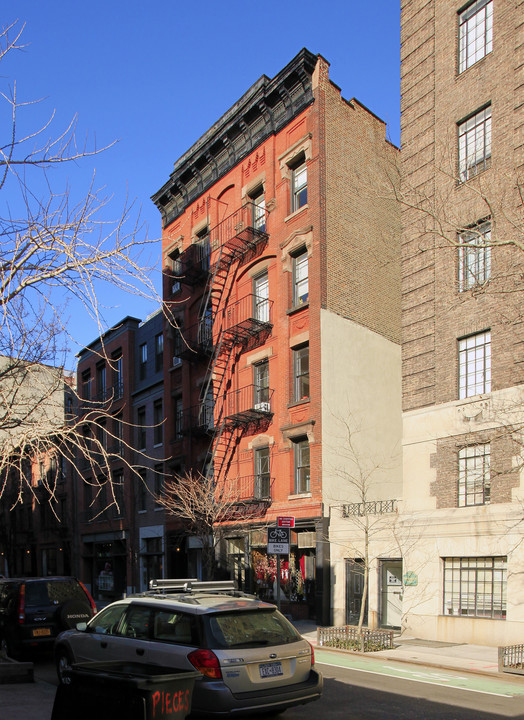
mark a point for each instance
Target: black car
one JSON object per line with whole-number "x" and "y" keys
{"x": 33, "y": 611}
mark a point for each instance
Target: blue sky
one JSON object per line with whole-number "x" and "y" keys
{"x": 155, "y": 76}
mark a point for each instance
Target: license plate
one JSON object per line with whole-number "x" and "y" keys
{"x": 41, "y": 632}
{"x": 271, "y": 669}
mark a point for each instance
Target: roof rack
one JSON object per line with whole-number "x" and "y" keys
{"x": 191, "y": 585}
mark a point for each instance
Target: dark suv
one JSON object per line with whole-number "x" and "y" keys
{"x": 33, "y": 611}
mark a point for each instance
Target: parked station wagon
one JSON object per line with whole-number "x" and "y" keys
{"x": 250, "y": 656}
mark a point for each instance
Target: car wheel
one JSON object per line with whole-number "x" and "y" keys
{"x": 73, "y": 612}
{"x": 63, "y": 666}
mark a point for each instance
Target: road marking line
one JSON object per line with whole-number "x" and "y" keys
{"x": 425, "y": 682}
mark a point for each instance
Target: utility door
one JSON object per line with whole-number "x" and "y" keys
{"x": 391, "y": 593}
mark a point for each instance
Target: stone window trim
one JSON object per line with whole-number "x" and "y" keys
{"x": 249, "y": 190}
{"x": 175, "y": 244}
{"x": 295, "y": 242}
{"x": 197, "y": 233}
{"x": 304, "y": 146}
{"x": 291, "y": 433}
{"x": 261, "y": 441}
{"x": 260, "y": 356}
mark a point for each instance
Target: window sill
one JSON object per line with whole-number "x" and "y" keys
{"x": 296, "y": 403}
{"x": 296, "y": 212}
{"x": 141, "y": 512}
{"x": 298, "y": 496}
{"x": 297, "y": 308}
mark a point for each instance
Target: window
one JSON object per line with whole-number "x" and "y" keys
{"x": 300, "y": 278}
{"x": 142, "y": 360}
{"x": 203, "y": 249}
{"x": 118, "y": 492}
{"x": 474, "y": 137}
{"x": 475, "y": 256}
{"x": 141, "y": 491}
{"x": 475, "y": 33}
{"x": 118, "y": 377}
{"x": 261, "y": 297}
{"x": 101, "y": 434}
{"x": 301, "y": 373}
{"x": 474, "y": 482}
{"x": 262, "y": 479}
{"x": 298, "y": 185}
{"x": 101, "y": 381}
{"x": 158, "y": 418}
{"x": 159, "y": 352}
{"x": 86, "y": 385}
{"x": 118, "y": 432}
{"x": 141, "y": 427}
{"x": 475, "y": 364}
{"x": 475, "y": 586}
{"x": 258, "y": 209}
{"x": 261, "y": 386}
{"x": 178, "y": 418}
{"x": 159, "y": 482}
{"x": 302, "y": 471}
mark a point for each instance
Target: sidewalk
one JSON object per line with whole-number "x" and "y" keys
{"x": 35, "y": 700}
{"x": 465, "y": 658}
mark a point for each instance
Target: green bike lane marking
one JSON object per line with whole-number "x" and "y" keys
{"x": 422, "y": 674}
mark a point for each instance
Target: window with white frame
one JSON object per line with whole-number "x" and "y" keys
{"x": 299, "y": 185}
{"x": 302, "y": 465}
{"x": 474, "y": 478}
{"x": 475, "y": 586}
{"x": 475, "y": 256}
{"x": 258, "y": 209}
{"x": 474, "y": 141}
{"x": 474, "y": 355}
{"x": 262, "y": 476}
{"x": 301, "y": 373}
{"x": 475, "y": 33}
{"x": 261, "y": 297}
{"x": 300, "y": 278}
{"x": 261, "y": 386}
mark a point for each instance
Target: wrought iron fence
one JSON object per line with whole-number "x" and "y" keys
{"x": 511, "y": 659}
{"x": 348, "y": 637}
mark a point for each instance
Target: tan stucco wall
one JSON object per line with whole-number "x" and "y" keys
{"x": 360, "y": 392}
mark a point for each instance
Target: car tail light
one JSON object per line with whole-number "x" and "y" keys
{"x": 312, "y": 654}
{"x": 21, "y": 605}
{"x": 207, "y": 662}
{"x": 89, "y": 597}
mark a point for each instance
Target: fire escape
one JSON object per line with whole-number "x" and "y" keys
{"x": 225, "y": 330}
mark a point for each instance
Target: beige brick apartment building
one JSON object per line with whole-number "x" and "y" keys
{"x": 463, "y": 331}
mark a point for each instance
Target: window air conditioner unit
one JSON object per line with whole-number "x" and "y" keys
{"x": 177, "y": 361}
{"x": 175, "y": 288}
{"x": 262, "y": 407}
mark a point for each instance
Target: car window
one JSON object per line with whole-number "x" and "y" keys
{"x": 106, "y": 622}
{"x": 175, "y": 627}
{"x": 136, "y": 623}
{"x": 53, "y": 592}
{"x": 234, "y": 629}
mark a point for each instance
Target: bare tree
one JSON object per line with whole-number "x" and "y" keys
{"x": 208, "y": 510}
{"x": 56, "y": 252}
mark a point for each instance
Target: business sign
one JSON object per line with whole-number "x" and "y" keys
{"x": 286, "y": 522}
{"x": 278, "y": 541}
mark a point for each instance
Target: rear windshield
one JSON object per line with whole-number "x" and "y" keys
{"x": 250, "y": 629}
{"x": 52, "y": 592}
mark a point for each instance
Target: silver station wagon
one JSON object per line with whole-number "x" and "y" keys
{"x": 250, "y": 657}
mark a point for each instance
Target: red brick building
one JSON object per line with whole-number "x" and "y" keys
{"x": 272, "y": 225}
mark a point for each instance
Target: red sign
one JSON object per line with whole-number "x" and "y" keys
{"x": 286, "y": 522}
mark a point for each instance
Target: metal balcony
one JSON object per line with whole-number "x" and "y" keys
{"x": 192, "y": 265}
{"x": 247, "y": 322}
{"x": 249, "y": 405}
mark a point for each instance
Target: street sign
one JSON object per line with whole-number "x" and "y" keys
{"x": 286, "y": 521}
{"x": 278, "y": 541}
